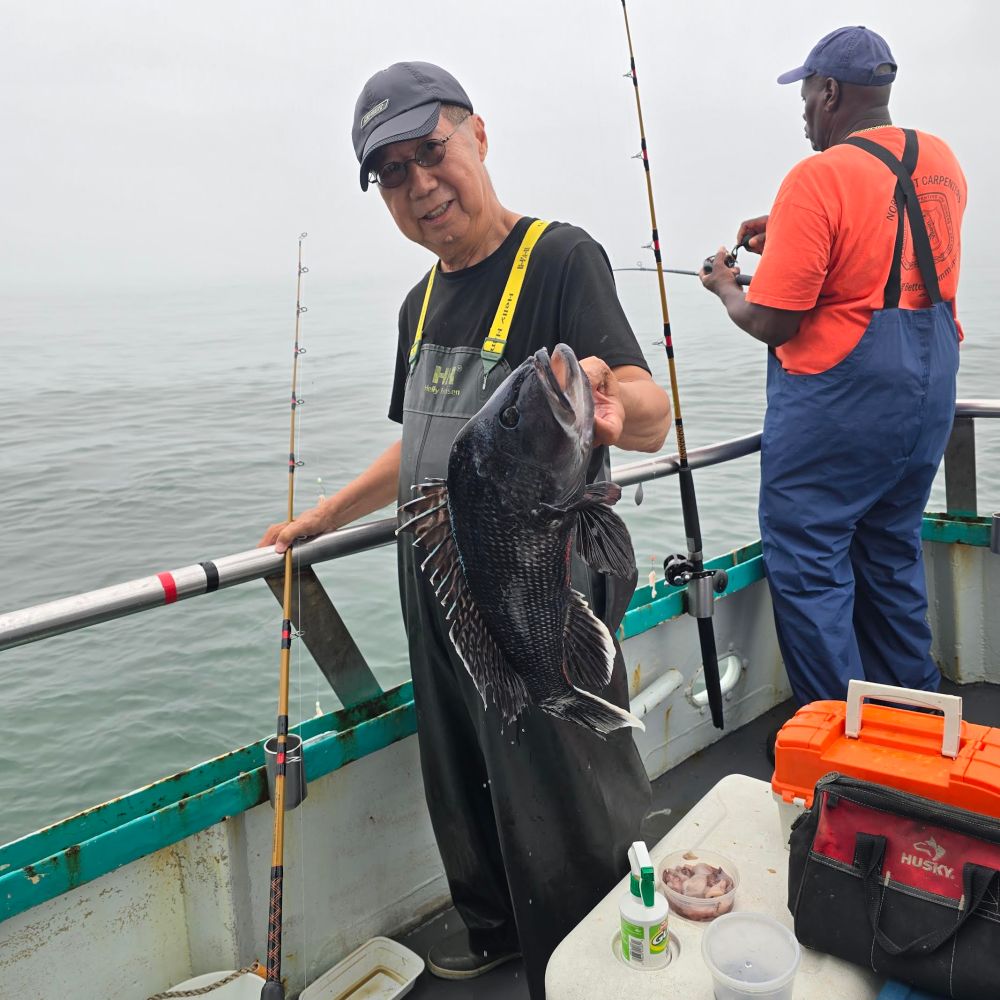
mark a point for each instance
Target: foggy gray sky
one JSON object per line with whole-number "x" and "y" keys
{"x": 191, "y": 142}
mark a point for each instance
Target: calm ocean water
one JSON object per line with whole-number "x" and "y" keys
{"x": 143, "y": 431}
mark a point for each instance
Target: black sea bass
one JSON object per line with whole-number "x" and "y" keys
{"x": 499, "y": 534}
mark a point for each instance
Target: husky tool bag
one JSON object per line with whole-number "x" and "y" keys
{"x": 900, "y": 884}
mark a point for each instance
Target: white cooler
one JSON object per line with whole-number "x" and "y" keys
{"x": 738, "y": 818}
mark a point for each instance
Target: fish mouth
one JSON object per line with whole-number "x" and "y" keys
{"x": 565, "y": 387}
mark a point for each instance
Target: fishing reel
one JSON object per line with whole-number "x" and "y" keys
{"x": 709, "y": 262}
{"x": 730, "y": 258}
{"x": 702, "y": 585}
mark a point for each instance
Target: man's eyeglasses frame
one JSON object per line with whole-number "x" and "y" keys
{"x": 428, "y": 153}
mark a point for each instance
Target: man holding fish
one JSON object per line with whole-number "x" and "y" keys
{"x": 514, "y": 572}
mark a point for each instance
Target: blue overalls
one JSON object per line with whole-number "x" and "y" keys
{"x": 847, "y": 461}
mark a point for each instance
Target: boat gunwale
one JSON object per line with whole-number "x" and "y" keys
{"x": 81, "y": 848}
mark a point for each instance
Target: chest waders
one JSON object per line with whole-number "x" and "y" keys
{"x": 533, "y": 821}
{"x": 847, "y": 461}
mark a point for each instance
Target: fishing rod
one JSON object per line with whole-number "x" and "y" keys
{"x": 702, "y": 584}
{"x": 273, "y": 989}
{"x": 741, "y": 279}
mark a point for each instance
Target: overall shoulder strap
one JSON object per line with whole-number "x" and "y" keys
{"x": 419, "y": 335}
{"x": 496, "y": 340}
{"x": 906, "y": 199}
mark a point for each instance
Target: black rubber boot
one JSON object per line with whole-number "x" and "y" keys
{"x": 454, "y": 957}
{"x": 772, "y": 738}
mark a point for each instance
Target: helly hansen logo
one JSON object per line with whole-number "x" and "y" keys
{"x": 443, "y": 381}
{"x": 934, "y": 853}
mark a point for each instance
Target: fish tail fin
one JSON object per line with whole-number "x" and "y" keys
{"x": 589, "y": 710}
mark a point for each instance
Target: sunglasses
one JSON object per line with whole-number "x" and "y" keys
{"x": 428, "y": 153}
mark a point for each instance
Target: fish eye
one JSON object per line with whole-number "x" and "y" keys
{"x": 510, "y": 417}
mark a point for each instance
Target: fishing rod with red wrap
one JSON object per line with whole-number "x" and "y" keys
{"x": 702, "y": 584}
{"x": 273, "y": 988}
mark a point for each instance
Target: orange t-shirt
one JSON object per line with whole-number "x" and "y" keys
{"x": 830, "y": 237}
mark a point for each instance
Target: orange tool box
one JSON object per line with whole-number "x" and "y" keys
{"x": 937, "y": 757}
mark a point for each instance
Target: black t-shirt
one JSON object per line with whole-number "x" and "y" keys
{"x": 568, "y": 297}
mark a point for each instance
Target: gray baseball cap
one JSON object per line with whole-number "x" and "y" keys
{"x": 399, "y": 103}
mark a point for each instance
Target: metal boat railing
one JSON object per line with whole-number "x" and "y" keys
{"x": 332, "y": 646}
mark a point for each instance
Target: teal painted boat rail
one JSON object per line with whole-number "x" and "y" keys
{"x": 956, "y": 529}
{"x": 652, "y": 606}
{"x": 84, "y": 847}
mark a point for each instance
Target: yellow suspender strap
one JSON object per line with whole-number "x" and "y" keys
{"x": 496, "y": 340}
{"x": 415, "y": 348}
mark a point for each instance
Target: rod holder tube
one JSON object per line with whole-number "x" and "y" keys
{"x": 295, "y": 770}
{"x": 701, "y": 596}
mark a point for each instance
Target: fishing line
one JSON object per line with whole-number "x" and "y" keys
{"x": 701, "y": 583}
{"x": 273, "y": 990}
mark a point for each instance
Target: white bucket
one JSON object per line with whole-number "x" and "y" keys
{"x": 247, "y": 987}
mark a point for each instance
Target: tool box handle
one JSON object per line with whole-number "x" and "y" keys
{"x": 949, "y": 704}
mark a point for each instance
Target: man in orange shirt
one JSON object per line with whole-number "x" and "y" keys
{"x": 855, "y": 297}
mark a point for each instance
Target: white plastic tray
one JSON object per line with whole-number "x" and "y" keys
{"x": 381, "y": 969}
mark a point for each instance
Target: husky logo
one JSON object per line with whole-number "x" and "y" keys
{"x": 931, "y": 848}
{"x": 935, "y": 852}
{"x": 371, "y": 113}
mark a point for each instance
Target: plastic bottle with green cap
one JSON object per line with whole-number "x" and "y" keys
{"x": 644, "y": 915}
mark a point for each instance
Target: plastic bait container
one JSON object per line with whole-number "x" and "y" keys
{"x": 694, "y": 907}
{"x": 751, "y": 955}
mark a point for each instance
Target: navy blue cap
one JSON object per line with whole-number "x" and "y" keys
{"x": 399, "y": 103}
{"x": 851, "y": 55}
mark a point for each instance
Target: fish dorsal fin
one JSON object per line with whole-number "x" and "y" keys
{"x": 484, "y": 661}
{"x": 427, "y": 516}
{"x": 590, "y": 650}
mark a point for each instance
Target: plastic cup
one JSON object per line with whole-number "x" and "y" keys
{"x": 750, "y": 955}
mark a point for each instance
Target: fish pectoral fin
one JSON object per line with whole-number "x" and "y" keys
{"x": 601, "y": 534}
{"x": 486, "y": 664}
{"x": 603, "y": 492}
{"x": 586, "y": 709}
{"x": 590, "y": 650}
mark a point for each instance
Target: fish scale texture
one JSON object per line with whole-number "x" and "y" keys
{"x": 517, "y": 571}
